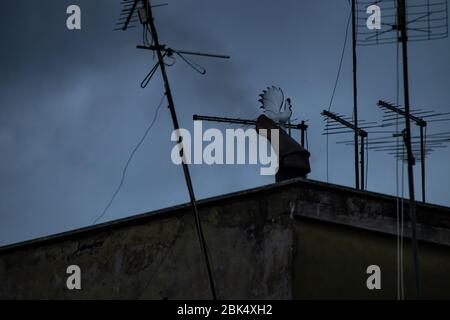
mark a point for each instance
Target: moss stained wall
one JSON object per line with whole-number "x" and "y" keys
{"x": 295, "y": 239}
{"x": 158, "y": 257}
{"x": 331, "y": 262}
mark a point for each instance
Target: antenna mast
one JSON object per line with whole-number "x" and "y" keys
{"x": 415, "y": 21}
{"x": 187, "y": 175}
{"x": 412, "y": 199}
{"x": 355, "y": 99}
{"x": 145, "y": 15}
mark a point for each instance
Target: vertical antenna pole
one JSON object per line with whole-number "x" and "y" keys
{"x": 412, "y": 207}
{"x": 355, "y": 99}
{"x": 302, "y": 137}
{"x": 187, "y": 175}
{"x": 422, "y": 162}
{"x": 362, "y": 162}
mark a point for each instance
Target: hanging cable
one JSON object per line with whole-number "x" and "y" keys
{"x": 336, "y": 83}
{"x": 147, "y": 33}
{"x": 124, "y": 171}
{"x": 144, "y": 36}
{"x": 340, "y": 61}
{"x": 172, "y": 63}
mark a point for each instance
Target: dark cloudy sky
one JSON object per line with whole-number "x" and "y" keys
{"x": 71, "y": 109}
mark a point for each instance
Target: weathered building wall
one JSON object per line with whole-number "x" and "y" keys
{"x": 296, "y": 239}
{"x": 332, "y": 261}
{"x": 157, "y": 256}
{"x": 340, "y": 232}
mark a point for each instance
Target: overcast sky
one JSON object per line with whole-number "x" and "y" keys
{"x": 71, "y": 109}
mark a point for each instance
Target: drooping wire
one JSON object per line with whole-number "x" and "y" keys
{"x": 172, "y": 63}
{"x": 147, "y": 33}
{"x": 340, "y": 61}
{"x": 130, "y": 158}
{"x": 145, "y": 39}
{"x": 336, "y": 83}
{"x": 144, "y": 35}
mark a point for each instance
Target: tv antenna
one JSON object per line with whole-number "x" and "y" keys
{"x": 339, "y": 124}
{"x": 424, "y": 20}
{"x": 302, "y": 126}
{"x": 142, "y": 10}
{"x": 417, "y": 21}
{"x": 420, "y": 145}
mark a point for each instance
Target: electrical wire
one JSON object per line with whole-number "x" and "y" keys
{"x": 144, "y": 35}
{"x": 124, "y": 171}
{"x": 340, "y": 61}
{"x": 336, "y": 83}
{"x": 145, "y": 38}
{"x": 147, "y": 33}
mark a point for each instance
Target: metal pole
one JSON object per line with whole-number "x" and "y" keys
{"x": 422, "y": 162}
{"x": 362, "y": 163}
{"x": 412, "y": 207}
{"x": 192, "y": 53}
{"x": 355, "y": 99}
{"x": 302, "y": 126}
{"x": 187, "y": 175}
{"x": 303, "y": 129}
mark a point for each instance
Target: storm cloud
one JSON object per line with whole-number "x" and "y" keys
{"x": 71, "y": 109}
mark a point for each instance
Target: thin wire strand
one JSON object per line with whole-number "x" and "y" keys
{"x": 337, "y": 81}
{"x": 130, "y": 158}
{"x": 340, "y": 61}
